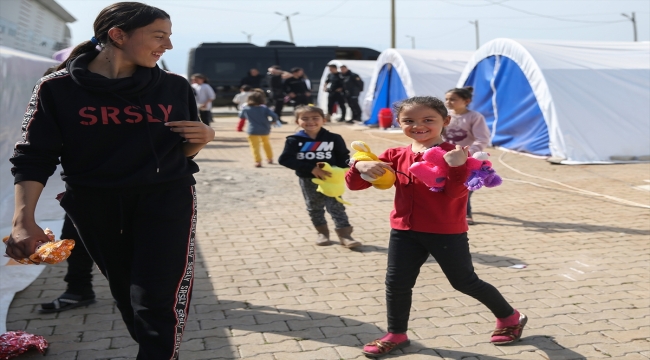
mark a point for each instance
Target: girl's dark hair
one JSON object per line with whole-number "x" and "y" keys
{"x": 428, "y": 101}
{"x": 464, "y": 93}
{"x": 307, "y": 109}
{"x": 256, "y": 98}
{"x": 201, "y": 76}
{"x": 245, "y": 88}
{"x": 127, "y": 16}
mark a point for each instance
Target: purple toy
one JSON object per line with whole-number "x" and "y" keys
{"x": 433, "y": 170}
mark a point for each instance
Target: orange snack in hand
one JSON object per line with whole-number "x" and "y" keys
{"x": 51, "y": 252}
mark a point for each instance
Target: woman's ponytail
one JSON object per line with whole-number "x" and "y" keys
{"x": 84, "y": 47}
{"x": 127, "y": 16}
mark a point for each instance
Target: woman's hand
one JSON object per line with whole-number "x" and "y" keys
{"x": 457, "y": 157}
{"x": 320, "y": 173}
{"x": 373, "y": 169}
{"x": 24, "y": 239}
{"x": 194, "y": 132}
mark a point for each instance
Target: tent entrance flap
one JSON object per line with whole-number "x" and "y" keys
{"x": 504, "y": 96}
{"x": 389, "y": 89}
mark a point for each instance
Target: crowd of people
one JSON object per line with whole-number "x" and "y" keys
{"x": 130, "y": 200}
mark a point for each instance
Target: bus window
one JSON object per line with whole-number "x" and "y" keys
{"x": 348, "y": 54}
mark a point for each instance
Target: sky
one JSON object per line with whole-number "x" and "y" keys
{"x": 434, "y": 24}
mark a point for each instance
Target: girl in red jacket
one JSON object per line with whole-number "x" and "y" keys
{"x": 427, "y": 223}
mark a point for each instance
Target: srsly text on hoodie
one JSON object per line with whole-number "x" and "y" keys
{"x": 106, "y": 133}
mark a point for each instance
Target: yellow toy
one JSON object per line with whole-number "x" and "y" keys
{"x": 333, "y": 186}
{"x": 363, "y": 153}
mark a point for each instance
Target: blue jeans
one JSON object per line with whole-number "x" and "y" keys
{"x": 408, "y": 250}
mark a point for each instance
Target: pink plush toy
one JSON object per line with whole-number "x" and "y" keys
{"x": 433, "y": 170}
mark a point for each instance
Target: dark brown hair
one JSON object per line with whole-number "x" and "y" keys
{"x": 464, "y": 93}
{"x": 256, "y": 98}
{"x": 127, "y": 16}
{"x": 307, "y": 109}
{"x": 200, "y": 76}
{"x": 428, "y": 101}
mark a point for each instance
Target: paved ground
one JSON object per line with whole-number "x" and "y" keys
{"x": 263, "y": 291}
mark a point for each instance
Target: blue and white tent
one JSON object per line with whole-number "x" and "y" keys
{"x": 401, "y": 73}
{"x": 579, "y": 102}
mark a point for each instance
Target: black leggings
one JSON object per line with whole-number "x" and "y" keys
{"x": 143, "y": 243}
{"x": 408, "y": 250}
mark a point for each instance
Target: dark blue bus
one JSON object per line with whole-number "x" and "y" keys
{"x": 225, "y": 64}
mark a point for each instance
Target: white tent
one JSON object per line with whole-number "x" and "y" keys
{"x": 580, "y": 102}
{"x": 20, "y": 72}
{"x": 402, "y": 73}
{"x": 363, "y": 68}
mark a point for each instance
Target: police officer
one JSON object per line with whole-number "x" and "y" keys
{"x": 296, "y": 88}
{"x": 335, "y": 93}
{"x": 353, "y": 86}
{"x": 276, "y": 83}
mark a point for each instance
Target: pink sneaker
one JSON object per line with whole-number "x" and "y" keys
{"x": 380, "y": 347}
{"x": 509, "y": 329}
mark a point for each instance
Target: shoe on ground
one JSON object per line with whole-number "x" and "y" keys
{"x": 67, "y": 301}
{"x": 384, "y": 346}
{"x": 509, "y": 330}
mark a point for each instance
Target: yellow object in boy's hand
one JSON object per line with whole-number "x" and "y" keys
{"x": 334, "y": 185}
{"x": 51, "y": 252}
{"x": 363, "y": 153}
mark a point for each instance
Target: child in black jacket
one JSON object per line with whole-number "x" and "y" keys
{"x": 302, "y": 152}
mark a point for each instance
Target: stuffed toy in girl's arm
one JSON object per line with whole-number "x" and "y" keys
{"x": 332, "y": 186}
{"x": 364, "y": 154}
{"x": 433, "y": 170}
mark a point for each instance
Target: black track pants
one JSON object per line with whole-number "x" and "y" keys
{"x": 144, "y": 244}
{"x": 80, "y": 266}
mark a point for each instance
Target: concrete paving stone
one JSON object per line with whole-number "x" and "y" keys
{"x": 599, "y": 325}
{"x": 239, "y": 321}
{"x": 249, "y": 351}
{"x": 631, "y": 324}
{"x": 233, "y": 341}
{"x": 626, "y": 336}
{"x": 435, "y": 332}
{"x": 325, "y": 353}
{"x": 616, "y": 350}
{"x": 277, "y": 326}
{"x": 304, "y": 324}
{"x": 128, "y": 352}
{"x": 120, "y": 342}
{"x": 229, "y": 352}
{"x": 560, "y": 310}
{"x": 453, "y": 320}
{"x": 330, "y": 342}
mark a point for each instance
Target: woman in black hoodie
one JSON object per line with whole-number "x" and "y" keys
{"x": 125, "y": 133}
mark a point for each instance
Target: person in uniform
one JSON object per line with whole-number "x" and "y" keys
{"x": 296, "y": 88}
{"x": 335, "y": 92}
{"x": 353, "y": 86}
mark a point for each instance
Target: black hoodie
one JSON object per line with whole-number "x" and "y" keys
{"x": 301, "y": 152}
{"x": 106, "y": 133}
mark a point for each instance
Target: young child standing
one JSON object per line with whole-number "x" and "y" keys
{"x": 302, "y": 152}
{"x": 427, "y": 223}
{"x": 259, "y": 126}
{"x": 467, "y": 128}
{"x": 242, "y": 98}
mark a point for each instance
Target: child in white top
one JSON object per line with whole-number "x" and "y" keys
{"x": 240, "y": 99}
{"x": 467, "y": 128}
